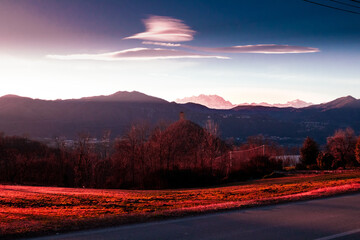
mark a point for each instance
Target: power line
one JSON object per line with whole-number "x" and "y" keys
{"x": 346, "y": 4}
{"x": 340, "y": 9}
{"x": 247, "y": 150}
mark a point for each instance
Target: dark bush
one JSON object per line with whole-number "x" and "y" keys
{"x": 257, "y": 167}
{"x": 325, "y": 160}
{"x": 181, "y": 178}
{"x": 260, "y": 166}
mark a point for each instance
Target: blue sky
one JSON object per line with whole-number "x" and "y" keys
{"x": 245, "y": 51}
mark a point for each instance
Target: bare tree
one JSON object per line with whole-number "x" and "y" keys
{"x": 212, "y": 143}
{"x": 83, "y": 167}
{"x": 309, "y": 152}
{"x": 342, "y": 146}
{"x": 131, "y": 148}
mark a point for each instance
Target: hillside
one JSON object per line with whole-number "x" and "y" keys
{"x": 343, "y": 102}
{"x": 125, "y": 96}
{"x": 40, "y": 118}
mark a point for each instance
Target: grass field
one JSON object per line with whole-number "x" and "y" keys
{"x": 30, "y": 211}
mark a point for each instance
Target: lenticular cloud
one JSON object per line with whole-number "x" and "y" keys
{"x": 162, "y": 44}
{"x": 167, "y": 32}
{"x": 259, "y": 48}
{"x": 135, "y": 54}
{"x": 165, "y": 29}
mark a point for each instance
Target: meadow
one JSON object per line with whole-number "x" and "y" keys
{"x": 32, "y": 211}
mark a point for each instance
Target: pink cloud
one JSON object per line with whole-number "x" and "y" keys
{"x": 259, "y": 48}
{"x": 135, "y": 54}
{"x": 161, "y": 30}
{"x": 165, "y": 29}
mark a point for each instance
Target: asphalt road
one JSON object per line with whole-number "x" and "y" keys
{"x": 331, "y": 218}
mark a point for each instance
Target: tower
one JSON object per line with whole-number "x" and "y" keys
{"x": 181, "y": 116}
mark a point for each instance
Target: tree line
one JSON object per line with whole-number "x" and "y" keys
{"x": 171, "y": 155}
{"x": 181, "y": 154}
{"x": 342, "y": 150}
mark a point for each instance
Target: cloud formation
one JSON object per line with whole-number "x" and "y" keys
{"x": 259, "y": 48}
{"x": 135, "y": 54}
{"x": 162, "y": 44}
{"x": 164, "y": 29}
{"x": 166, "y": 32}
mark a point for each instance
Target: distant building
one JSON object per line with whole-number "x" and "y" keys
{"x": 182, "y": 116}
{"x": 290, "y": 160}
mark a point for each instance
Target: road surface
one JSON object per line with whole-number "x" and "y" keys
{"x": 323, "y": 219}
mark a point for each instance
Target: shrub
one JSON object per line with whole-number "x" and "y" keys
{"x": 259, "y": 166}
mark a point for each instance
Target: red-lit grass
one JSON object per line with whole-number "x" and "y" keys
{"x": 26, "y": 211}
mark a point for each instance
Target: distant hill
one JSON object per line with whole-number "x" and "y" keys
{"x": 116, "y": 112}
{"x": 124, "y": 96}
{"x": 343, "y": 102}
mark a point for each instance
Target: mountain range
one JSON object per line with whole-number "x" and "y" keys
{"x": 217, "y": 102}
{"x": 38, "y": 118}
{"x": 210, "y": 101}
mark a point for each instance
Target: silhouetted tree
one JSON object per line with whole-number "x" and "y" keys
{"x": 83, "y": 161}
{"x": 131, "y": 151}
{"x": 105, "y": 145}
{"x": 158, "y": 145}
{"x": 357, "y": 150}
{"x": 309, "y": 152}
{"x": 211, "y": 141}
{"x": 325, "y": 160}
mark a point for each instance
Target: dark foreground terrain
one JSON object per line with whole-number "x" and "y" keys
{"x": 35, "y": 211}
{"x": 331, "y": 218}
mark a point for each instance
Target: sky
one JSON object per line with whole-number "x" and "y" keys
{"x": 245, "y": 51}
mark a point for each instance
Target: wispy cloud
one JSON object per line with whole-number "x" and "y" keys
{"x": 135, "y": 54}
{"x": 259, "y": 48}
{"x": 165, "y": 29}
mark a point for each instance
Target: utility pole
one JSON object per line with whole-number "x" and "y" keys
{"x": 263, "y": 150}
